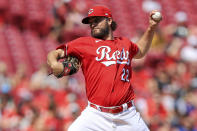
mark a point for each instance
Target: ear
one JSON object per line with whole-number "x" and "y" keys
{"x": 110, "y": 21}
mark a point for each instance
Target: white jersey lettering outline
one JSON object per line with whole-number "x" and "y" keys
{"x": 117, "y": 57}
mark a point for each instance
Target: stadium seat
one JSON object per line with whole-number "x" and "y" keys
{"x": 3, "y": 5}
{"x": 35, "y": 48}
{"x": 49, "y": 44}
{"x": 5, "y": 55}
{"x": 17, "y": 48}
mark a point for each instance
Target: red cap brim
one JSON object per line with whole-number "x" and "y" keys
{"x": 85, "y": 20}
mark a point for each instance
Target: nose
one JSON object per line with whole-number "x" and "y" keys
{"x": 92, "y": 25}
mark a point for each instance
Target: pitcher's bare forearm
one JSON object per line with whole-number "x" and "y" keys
{"x": 144, "y": 43}
{"x": 52, "y": 61}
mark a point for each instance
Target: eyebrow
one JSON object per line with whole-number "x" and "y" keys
{"x": 97, "y": 18}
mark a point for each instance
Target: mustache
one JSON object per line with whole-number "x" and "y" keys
{"x": 95, "y": 28}
{"x": 103, "y": 32}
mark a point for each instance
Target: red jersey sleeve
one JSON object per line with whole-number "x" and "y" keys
{"x": 134, "y": 48}
{"x": 72, "y": 48}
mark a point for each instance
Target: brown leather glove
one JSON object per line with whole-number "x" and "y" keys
{"x": 71, "y": 65}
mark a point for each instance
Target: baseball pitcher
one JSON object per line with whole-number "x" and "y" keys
{"x": 106, "y": 64}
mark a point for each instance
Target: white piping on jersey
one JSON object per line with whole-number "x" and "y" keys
{"x": 97, "y": 41}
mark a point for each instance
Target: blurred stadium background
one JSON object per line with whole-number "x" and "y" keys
{"x": 165, "y": 81}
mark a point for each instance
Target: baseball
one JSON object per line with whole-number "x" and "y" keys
{"x": 156, "y": 16}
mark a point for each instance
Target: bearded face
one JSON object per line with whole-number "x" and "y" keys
{"x": 99, "y": 27}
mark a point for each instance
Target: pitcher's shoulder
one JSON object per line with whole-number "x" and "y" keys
{"x": 85, "y": 39}
{"x": 124, "y": 39}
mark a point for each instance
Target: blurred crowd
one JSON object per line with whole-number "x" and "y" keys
{"x": 165, "y": 81}
{"x": 39, "y": 103}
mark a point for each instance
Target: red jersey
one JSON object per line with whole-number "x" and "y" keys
{"x": 106, "y": 65}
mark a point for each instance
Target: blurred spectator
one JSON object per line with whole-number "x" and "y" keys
{"x": 21, "y": 84}
{"x": 41, "y": 80}
{"x": 68, "y": 23}
{"x": 5, "y": 82}
{"x": 149, "y": 5}
{"x": 181, "y": 29}
{"x": 181, "y": 17}
{"x": 189, "y": 52}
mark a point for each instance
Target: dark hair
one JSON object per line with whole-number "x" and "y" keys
{"x": 114, "y": 25}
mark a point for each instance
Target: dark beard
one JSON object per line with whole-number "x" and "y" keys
{"x": 102, "y": 34}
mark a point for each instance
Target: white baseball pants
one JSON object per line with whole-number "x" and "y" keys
{"x": 94, "y": 120}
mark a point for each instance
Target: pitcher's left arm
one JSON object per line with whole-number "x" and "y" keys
{"x": 145, "y": 41}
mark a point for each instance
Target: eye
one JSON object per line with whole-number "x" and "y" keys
{"x": 96, "y": 20}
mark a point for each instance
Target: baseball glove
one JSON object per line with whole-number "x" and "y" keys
{"x": 71, "y": 65}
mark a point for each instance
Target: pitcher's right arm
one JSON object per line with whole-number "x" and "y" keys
{"x": 52, "y": 60}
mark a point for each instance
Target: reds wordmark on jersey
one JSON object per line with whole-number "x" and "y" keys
{"x": 106, "y": 65}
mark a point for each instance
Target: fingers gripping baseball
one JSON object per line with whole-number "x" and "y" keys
{"x": 155, "y": 18}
